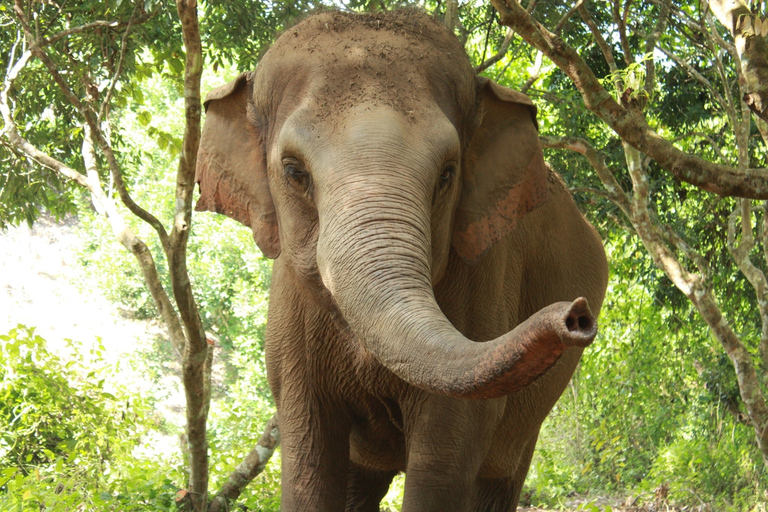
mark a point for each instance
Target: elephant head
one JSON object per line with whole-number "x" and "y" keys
{"x": 361, "y": 151}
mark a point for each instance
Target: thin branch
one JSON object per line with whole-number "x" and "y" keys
{"x": 118, "y": 71}
{"x": 144, "y": 16}
{"x": 603, "y": 45}
{"x": 535, "y": 73}
{"x": 754, "y": 275}
{"x": 621, "y": 23}
{"x": 694, "y": 74}
{"x": 674, "y": 238}
{"x": 567, "y": 16}
{"x": 253, "y": 464}
{"x": 706, "y": 136}
{"x": 614, "y": 191}
{"x": 490, "y": 61}
{"x": 650, "y": 45}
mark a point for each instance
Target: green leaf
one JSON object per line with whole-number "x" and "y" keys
{"x": 138, "y": 95}
{"x": 145, "y": 117}
{"x": 176, "y": 65}
{"x": 7, "y": 474}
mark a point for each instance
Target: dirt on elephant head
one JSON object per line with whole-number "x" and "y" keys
{"x": 395, "y": 59}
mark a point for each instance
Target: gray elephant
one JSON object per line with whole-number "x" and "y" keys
{"x": 433, "y": 278}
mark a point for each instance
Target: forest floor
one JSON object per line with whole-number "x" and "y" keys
{"x": 43, "y": 285}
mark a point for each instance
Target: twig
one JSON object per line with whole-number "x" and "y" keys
{"x": 566, "y": 17}
{"x": 94, "y": 24}
{"x": 490, "y": 61}
{"x": 614, "y": 191}
{"x": 118, "y": 71}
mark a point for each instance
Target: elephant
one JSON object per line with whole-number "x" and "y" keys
{"x": 434, "y": 284}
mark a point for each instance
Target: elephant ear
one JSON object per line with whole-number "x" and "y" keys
{"x": 504, "y": 174}
{"x": 232, "y": 164}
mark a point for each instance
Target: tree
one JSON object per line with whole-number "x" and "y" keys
{"x": 625, "y": 93}
{"x": 76, "y": 61}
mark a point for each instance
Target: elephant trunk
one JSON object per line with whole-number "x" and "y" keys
{"x": 374, "y": 257}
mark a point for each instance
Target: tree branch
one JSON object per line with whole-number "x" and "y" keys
{"x": 621, "y": 24}
{"x": 144, "y": 16}
{"x": 451, "y": 14}
{"x": 597, "y": 160}
{"x": 629, "y": 124}
{"x": 754, "y": 275}
{"x": 752, "y": 50}
{"x": 253, "y": 464}
{"x": 490, "y": 61}
{"x": 604, "y": 49}
{"x": 118, "y": 71}
{"x": 96, "y": 132}
{"x": 198, "y": 354}
{"x": 650, "y": 45}
{"x": 567, "y": 16}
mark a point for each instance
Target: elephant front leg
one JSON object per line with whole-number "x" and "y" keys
{"x": 448, "y": 440}
{"x": 315, "y": 456}
{"x": 367, "y": 487}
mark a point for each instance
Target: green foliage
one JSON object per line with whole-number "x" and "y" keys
{"x": 45, "y": 117}
{"x": 240, "y": 31}
{"x": 70, "y": 433}
{"x": 653, "y": 401}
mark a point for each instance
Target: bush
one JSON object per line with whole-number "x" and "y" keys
{"x": 69, "y": 439}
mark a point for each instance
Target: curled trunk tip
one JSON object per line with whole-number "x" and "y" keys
{"x": 580, "y": 324}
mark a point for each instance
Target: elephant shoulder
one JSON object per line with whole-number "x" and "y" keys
{"x": 555, "y": 182}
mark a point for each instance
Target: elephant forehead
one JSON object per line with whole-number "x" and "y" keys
{"x": 393, "y": 62}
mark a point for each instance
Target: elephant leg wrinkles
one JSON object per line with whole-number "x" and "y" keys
{"x": 448, "y": 441}
{"x": 315, "y": 460}
{"x": 367, "y": 487}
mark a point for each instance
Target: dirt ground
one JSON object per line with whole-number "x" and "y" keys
{"x": 42, "y": 286}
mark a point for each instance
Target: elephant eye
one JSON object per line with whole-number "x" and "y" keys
{"x": 448, "y": 172}
{"x": 296, "y": 175}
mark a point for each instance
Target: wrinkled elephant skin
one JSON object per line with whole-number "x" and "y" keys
{"x": 434, "y": 284}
